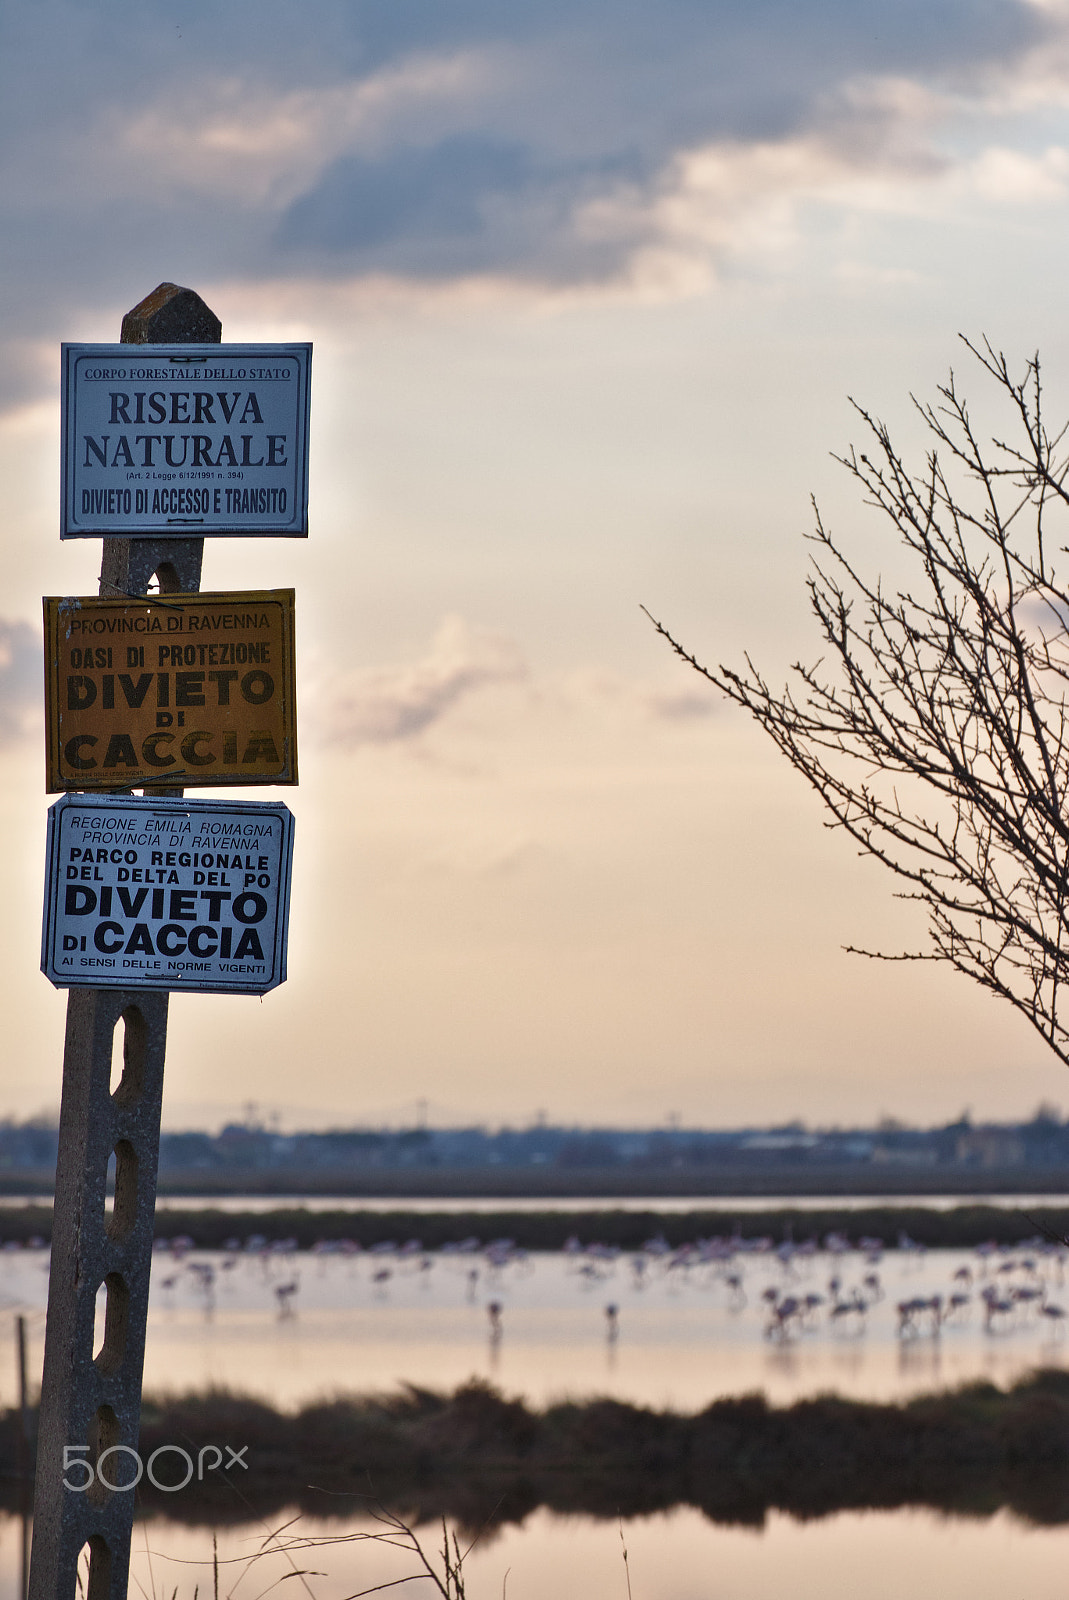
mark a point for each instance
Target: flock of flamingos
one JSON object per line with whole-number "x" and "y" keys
{"x": 797, "y": 1289}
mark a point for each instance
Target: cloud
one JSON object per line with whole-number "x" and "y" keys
{"x": 550, "y": 144}
{"x": 764, "y": 109}
{"x": 611, "y": 695}
{"x": 395, "y": 705}
{"x": 1011, "y": 177}
{"x": 392, "y": 705}
{"x": 20, "y": 680}
{"x": 682, "y": 706}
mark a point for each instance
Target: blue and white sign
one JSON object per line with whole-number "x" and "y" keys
{"x": 185, "y": 441}
{"x": 167, "y": 894}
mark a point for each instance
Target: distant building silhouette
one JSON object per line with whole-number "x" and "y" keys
{"x": 548, "y": 1158}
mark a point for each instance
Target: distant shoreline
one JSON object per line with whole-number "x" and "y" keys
{"x": 668, "y": 1183}
{"x": 504, "y": 1183}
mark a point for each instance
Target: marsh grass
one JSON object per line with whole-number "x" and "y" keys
{"x": 441, "y": 1567}
{"x": 481, "y": 1459}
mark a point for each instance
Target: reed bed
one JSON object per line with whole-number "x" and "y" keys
{"x": 480, "y": 1458}
{"x": 960, "y": 1227}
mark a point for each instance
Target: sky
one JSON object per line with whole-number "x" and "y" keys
{"x": 590, "y": 286}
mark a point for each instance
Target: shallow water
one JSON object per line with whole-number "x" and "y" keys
{"x": 675, "y": 1556}
{"x": 582, "y": 1203}
{"x": 289, "y": 1327}
{"x": 717, "y": 1202}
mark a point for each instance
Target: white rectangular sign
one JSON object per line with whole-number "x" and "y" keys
{"x": 185, "y": 440}
{"x": 167, "y": 894}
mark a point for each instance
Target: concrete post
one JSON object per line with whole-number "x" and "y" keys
{"x": 91, "y": 1397}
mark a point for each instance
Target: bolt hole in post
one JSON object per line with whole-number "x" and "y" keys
{"x": 94, "y": 1570}
{"x": 120, "y": 1200}
{"x": 128, "y": 1058}
{"x": 166, "y": 579}
{"x": 109, "y": 1196}
{"x": 99, "y": 1321}
{"x": 112, "y": 1310}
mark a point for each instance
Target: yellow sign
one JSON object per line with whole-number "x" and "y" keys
{"x": 172, "y": 690}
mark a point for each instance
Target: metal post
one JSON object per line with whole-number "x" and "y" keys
{"x": 91, "y": 1398}
{"x": 23, "y": 1456}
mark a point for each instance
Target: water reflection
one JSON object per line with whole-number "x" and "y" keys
{"x": 493, "y": 1312}
{"x": 783, "y": 1365}
{"x": 920, "y": 1363}
{"x": 868, "y": 1556}
{"x": 848, "y": 1365}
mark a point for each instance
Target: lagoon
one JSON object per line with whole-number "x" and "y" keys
{"x": 289, "y": 1325}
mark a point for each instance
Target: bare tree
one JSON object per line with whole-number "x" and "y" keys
{"x": 935, "y": 726}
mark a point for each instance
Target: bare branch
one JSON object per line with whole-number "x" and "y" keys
{"x": 935, "y": 726}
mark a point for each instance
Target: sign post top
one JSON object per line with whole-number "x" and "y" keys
{"x": 185, "y": 440}
{"x": 171, "y": 315}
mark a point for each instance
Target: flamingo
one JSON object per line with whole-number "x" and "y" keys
{"x": 461, "y": 1247}
{"x": 733, "y": 1282}
{"x": 854, "y": 1308}
{"x": 284, "y": 1294}
{"x": 958, "y": 1303}
{"x": 785, "y": 1314}
{"x": 994, "y": 1306}
{"x": 785, "y": 1254}
{"x": 910, "y": 1247}
{"x": 919, "y": 1305}
{"x": 1055, "y": 1315}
